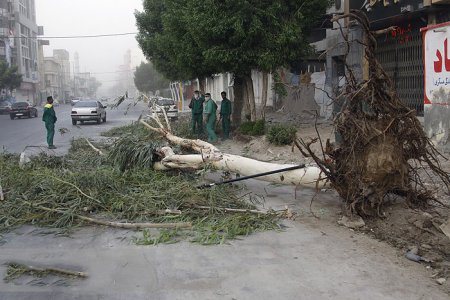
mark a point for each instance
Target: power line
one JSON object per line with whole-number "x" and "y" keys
{"x": 99, "y": 73}
{"x": 70, "y": 36}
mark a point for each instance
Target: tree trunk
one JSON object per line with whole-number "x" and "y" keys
{"x": 250, "y": 97}
{"x": 238, "y": 103}
{"x": 202, "y": 84}
{"x": 264, "y": 96}
{"x": 213, "y": 157}
{"x": 307, "y": 177}
{"x": 246, "y": 110}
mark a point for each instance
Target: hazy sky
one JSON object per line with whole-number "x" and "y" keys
{"x": 92, "y": 17}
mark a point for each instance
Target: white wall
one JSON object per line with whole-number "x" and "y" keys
{"x": 223, "y": 82}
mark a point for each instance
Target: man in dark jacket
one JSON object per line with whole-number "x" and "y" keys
{"x": 225, "y": 113}
{"x": 196, "y": 106}
{"x": 49, "y": 117}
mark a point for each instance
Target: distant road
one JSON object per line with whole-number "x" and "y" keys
{"x": 16, "y": 134}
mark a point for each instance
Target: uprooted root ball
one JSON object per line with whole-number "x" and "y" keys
{"x": 383, "y": 146}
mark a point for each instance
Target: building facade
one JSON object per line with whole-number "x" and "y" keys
{"x": 53, "y": 77}
{"x": 400, "y": 51}
{"x": 18, "y": 45}
{"x": 62, "y": 56}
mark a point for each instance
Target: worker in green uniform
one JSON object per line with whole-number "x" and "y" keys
{"x": 210, "y": 114}
{"x": 196, "y": 105}
{"x": 225, "y": 113}
{"x": 49, "y": 117}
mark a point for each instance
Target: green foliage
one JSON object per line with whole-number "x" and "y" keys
{"x": 253, "y": 128}
{"x": 9, "y": 76}
{"x": 148, "y": 79}
{"x": 84, "y": 183}
{"x": 15, "y": 271}
{"x": 132, "y": 129}
{"x": 278, "y": 87}
{"x": 165, "y": 38}
{"x": 281, "y": 134}
{"x": 168, "y": 236}
{"x": 195, "y": 38}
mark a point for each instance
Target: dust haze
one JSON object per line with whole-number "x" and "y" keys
{"x": 100, "y": 56}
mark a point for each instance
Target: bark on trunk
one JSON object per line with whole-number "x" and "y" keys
{"x": 213, "y": 157}
{"x": 238, "y": 103}
{"x": 202, "y": 84}
{"x": 265, "y": 86}
{"x": 308, "y": 176}
{"x": 250, "y": 97}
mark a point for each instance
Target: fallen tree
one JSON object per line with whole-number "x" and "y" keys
{"x": 211, "y": 156}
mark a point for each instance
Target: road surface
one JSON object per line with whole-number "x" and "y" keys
{"x": 16, "y": 134}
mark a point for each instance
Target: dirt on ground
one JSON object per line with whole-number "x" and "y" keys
{"x": 417, "y": 231}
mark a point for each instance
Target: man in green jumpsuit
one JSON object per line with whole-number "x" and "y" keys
{"x": 210, "y": 112}
{"x": 225, "y": 113}
{"x": 196, "y": 106}
{"x": 49, "y": 117}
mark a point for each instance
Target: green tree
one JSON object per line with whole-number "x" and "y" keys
{"x": 194, "y": 38}
{"x": 148, "y": 79}
{"x": 10, "y": 79}
{"x": 166, "y": 41}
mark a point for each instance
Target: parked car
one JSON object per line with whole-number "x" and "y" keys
{"x": 168, "y": 105}
{"x": 5, "y": 108}
{"x": 74, "y": 101}
{"x": 88, "y": 110}
{"x": 23, "y": 109}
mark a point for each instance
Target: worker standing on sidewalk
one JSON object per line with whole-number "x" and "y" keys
{"x": 225, "y": 113}
{"x": 196, "y": 106}
{"x": 210, "y": 112}
{"x": 49, "y": 117}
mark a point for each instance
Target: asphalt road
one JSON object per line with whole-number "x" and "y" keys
{"x": 16, "y": 134}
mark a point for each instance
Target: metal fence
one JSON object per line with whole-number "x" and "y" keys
{"x": 400, "y": 54}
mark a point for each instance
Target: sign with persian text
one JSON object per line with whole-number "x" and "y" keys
{"x": 436, "y": 42}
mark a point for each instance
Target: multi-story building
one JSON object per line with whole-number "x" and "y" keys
{"x": 80, "y": 83}
{"x": 53, "y": 77}
{"x": 18, "y": 45}
{"x": 63, "y": 58}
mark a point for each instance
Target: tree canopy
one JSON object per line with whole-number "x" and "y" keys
{"x": 9, "y": 77}
{"x": 147, "y": 78}
{"x": 186, "y": 39}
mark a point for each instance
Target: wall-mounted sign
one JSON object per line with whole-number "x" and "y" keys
{"x": 436, "y": 41}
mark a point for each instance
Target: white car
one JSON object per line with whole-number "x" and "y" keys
{"x": 88, "y": 110}
{"x": 168, "y": 105}
{"x": 74, "y": 101}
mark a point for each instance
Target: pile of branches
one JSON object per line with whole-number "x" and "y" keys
{"x": 103, "y": 186}
{"x": 384, "y": 148}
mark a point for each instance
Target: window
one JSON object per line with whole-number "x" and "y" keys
{"x": 24, "y": 8}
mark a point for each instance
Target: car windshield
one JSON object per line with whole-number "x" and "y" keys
{"x": 20, "y": 104}
{"x": 165, "y": 102}
{"x": 86, "y": 104}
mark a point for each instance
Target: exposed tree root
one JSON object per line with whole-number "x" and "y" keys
{"x": 383, "y": 143}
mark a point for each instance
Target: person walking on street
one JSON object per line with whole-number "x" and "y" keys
{"x": 210, "y": 112}
{"x": 225, "y": 113}
{"x": 49, "y": 117}
{"x": 196, "y": 105}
